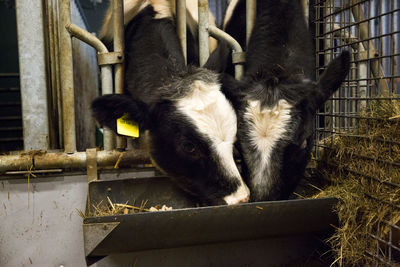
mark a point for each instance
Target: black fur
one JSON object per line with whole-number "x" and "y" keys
{"x": 279, "y": 65}
{"x": 155, "y": 78}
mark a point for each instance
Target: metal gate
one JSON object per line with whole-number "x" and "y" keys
{"x": 358, "y": 128}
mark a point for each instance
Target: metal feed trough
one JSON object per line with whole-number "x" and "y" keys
{"x": 186, "y": 224}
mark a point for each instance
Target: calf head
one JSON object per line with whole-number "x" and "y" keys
{"x": 275, "y": 128}
{"x": 191, "y": 136}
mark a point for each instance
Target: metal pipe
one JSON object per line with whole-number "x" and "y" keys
{"x": 204, "y": 50}
{"x": 77, "y": 160}
{"x": 181, "y": 25}
{"x": 107, "y": 88}
{"x": 238, "y": 57}
{"x": 15, "y": 162}
{"x": 67, "y": 79}
{"x": 86, "y": 37}
{"x": 305, "y": 4}
{"x": 251, "y": 12}
{"x": 369, "y": 45}
{"x": 118, "y": 24}
{"x": 106, "y": 72}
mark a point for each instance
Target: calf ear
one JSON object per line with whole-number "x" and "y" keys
{"x": 233, "y": 89}
{"x": 220, "y": 58}
{"x": 333, "y": 77}
{"x": 108, "y": 108}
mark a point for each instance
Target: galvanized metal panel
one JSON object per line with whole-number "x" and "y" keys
{"x": 33, "y": 78}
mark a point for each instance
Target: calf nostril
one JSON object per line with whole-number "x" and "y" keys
{"x": 244, "y": 200}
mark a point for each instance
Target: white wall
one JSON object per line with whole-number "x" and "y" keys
{"x": 44, "y": 229}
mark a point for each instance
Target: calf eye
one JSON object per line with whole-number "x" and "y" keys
{"x": 188, "y": 147}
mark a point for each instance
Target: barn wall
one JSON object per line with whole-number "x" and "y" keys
{"x": 42, "y": 227}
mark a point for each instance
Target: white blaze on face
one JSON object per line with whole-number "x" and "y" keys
{"x": 215, "y": 118}
{"x": 267, "y": 127}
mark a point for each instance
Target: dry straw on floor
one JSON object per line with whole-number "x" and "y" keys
{"x": 363, "y": 169}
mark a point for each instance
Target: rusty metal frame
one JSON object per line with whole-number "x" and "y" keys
{"x": 40, "y": 161}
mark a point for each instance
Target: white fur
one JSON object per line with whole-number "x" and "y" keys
{"x": 214, "y": 117}
{"x": 240, "y": 196}
{"x": 229, "y": 12}
{"x": 268, "y": 126}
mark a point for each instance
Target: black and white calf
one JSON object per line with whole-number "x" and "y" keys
{"x": 191, "y": 124}
{"x": 277, "y": 99}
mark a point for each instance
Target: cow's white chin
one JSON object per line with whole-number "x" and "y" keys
{"x": 241, "y": 195}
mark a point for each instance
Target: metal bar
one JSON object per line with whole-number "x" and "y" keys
{"x": 305, "y": 4}
{"x": 91, "y": 164}
{"x": 181, "y": 25}
{"x": 33, "y": 78}
{"x": 77, "y": 160}
{"x": 219, "y": 34}
{"x": 251, "y": 12}
{"x": 364, "y": 34}
{"x": 67, "y": 79}
{"x": 9, "y": 74}
{"x": 107, "y": 88}
{"x": 56, "y": 60}
{"x": 86, "y": 37}
{"x": 106, "y": 72}
{"x": 118, "y": 24}
{"x": 204, "y": 50}
{"x": 34, "y": 172}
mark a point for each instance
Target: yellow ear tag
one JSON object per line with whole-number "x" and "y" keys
{"x": 127, "y": 127}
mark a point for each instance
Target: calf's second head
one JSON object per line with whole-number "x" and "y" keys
{"x": 275, "y": 129}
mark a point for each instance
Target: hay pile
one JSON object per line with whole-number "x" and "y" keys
{"x": 363, "y": 168}
{"x": 110, "y": 208}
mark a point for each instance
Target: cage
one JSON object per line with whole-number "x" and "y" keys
{"x": 357, "y": 141}
{"x": 362, "y": 114}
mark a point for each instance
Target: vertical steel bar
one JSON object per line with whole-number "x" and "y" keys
{"x": 67, "y": 79}
{"x": 237, "y": 53}
{"x": 33, "y": 78}
{"x": 317, "y": 128}
{"x": 305, "y": 5}
{"x": 106, "y": 73}
{"x": 204, "y": 50}
{"x": 329, "y": 105}
{"x": 181, "y": 25}
{"x": 251, "y": 11}
{"x": 107, "y": 88}
{"x": 118, "y": 19}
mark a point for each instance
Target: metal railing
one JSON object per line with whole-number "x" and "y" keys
{"x": 70, "y": 158}
{"x": 369, "y": 29}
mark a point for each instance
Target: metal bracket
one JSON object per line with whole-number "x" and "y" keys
{"x": 91, "y": 164}
{"x": 95, "y": 233}
{"x": 110, "y": 58}
{"x": 238, "y": 57}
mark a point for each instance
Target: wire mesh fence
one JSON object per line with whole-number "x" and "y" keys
{"x": 359, "y": 125}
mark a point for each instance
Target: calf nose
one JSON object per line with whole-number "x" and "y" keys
{"x": 240, "y": 196}
{"x": 244, "y": 200}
